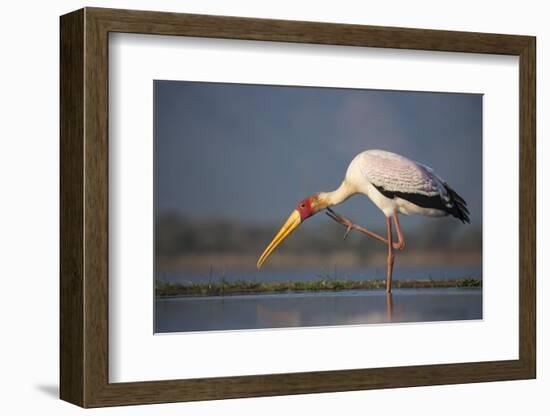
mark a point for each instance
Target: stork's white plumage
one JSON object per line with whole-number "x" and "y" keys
{"x": 395, "y": 184}
{"x": 398, "y": 185}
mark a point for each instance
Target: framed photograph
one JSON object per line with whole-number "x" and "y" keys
{"x": 255, "y": 207}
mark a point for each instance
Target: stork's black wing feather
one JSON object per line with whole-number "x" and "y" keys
{"x": 455, "y": 206}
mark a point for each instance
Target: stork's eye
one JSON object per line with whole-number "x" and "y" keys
{"x": 302, "y": 205}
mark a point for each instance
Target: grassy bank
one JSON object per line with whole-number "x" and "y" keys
{"x": 242, "y": 287}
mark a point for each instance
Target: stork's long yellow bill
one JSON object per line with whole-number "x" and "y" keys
{"x": 290, "y": 225}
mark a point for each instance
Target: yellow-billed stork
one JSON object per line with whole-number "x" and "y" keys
{"x": 395, "y": 184}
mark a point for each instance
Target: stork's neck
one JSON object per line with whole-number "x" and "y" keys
{"x": 328, "y": 199}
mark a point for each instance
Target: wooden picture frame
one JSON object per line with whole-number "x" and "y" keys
{"x": 84, "y": 207}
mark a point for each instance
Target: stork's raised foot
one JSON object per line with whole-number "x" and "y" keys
{"x": 350, "y": 225}
{"x": 342, "y": 220}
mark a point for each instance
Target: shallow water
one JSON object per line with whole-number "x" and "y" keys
{"x": 312, "y": 309}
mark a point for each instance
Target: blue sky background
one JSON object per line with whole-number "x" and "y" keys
{"x": 249, "y": 153}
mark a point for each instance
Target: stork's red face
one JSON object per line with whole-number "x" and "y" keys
{"x": 303, "y": 211}
{"x": 305, "y": 208}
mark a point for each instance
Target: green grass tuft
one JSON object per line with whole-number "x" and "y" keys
{"x": 225, "y": 287}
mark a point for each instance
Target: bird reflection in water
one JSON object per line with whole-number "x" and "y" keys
{"x": 278, "y": 318}
{"x": 389, "y": 307}
{"x": 275, "y": 315}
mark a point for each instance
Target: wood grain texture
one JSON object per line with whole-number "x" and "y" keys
{"x": 71, "y": 100}
{"x": 84, "y": 207}
{"x": 96, "y": 218}
{"x": 162, "y": 23}
{"x": 527, "y": 208}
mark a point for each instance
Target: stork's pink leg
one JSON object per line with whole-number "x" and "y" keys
{"x": 352, "y": 226}
{"x": 400, "y": 245}
{"x": 390, "y": 257}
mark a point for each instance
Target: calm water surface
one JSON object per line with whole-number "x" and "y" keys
{"x": 315, "y": 309}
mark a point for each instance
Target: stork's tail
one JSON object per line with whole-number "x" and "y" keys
{"x": 458, "y": 206}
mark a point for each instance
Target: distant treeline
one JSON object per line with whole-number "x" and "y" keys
{"x": 176, "y": 235}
